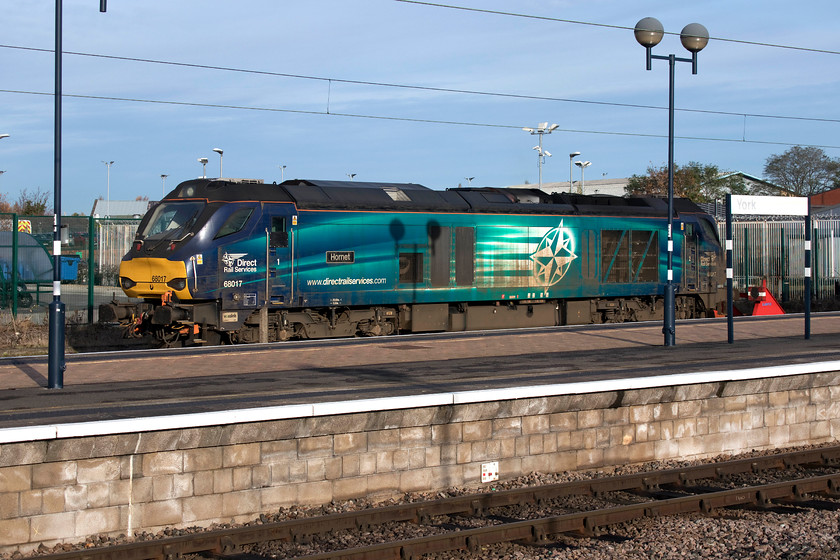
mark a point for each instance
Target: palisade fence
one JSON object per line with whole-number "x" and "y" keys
{"x": 91, "y": 250}
{"x": 93, "y": 247}
{"x": 775, "y": 251}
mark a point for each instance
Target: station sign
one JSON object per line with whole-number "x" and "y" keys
{"x": 770, "y": 205}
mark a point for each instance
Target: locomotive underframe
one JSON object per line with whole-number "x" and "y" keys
{"x": 201, "y": 323}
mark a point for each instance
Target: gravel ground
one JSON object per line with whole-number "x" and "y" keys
{"x": 732, "y": 534}
{"x": 782, "y": 532}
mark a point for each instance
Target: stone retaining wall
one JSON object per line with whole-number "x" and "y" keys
{"x": 66, "y": 490}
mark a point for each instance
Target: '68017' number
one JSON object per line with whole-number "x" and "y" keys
{"x": 232, "y": 283}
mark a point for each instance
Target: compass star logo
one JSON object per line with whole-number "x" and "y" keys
{"x": 229, "y": 258}
{"x": 554, "y": 255}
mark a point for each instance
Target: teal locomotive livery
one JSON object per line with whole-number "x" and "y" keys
{"x": 223, "y": 260}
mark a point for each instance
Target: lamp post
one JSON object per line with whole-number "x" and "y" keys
{"x": 694, "y": 37}
{"x": 220, "y": 152}
{"x": 572, "y": 156}
{"x": 108, "y": 165}
{"x": 469, "y": 180}
{"x": 583, "y": 165}
{"x": 541, "y": 129}
{"x": 351, "y": 175}
{"x": 1, "y": 137}
{"x": 282, "y": 172}
{"x": 163, "y": 185}
{"x": 203, "y": 162}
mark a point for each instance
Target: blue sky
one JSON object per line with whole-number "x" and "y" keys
{"x": 607, "y": 106}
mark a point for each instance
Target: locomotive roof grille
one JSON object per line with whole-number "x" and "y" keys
{"x": 357, "y": 195}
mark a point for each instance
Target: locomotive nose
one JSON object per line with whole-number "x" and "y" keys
{"x": 152, "y": 277}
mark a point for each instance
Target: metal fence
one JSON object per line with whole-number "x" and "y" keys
{"x": 775, "y": 251}
{"x": 91, "y": 250}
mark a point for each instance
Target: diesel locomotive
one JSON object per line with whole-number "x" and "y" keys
{"x": 231, "y": 260}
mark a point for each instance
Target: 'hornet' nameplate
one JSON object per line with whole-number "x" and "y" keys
{"x": 341, "y": 257}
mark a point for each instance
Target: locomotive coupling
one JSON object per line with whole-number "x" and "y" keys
{"x": 167, "y": 315}
{"x": 115, "y": 312}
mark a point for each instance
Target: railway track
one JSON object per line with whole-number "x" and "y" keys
{"x": 471, "y": 522}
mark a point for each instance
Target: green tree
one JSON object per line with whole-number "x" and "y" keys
{"x": 697, "y": 182}
{"x": 804, "y": 171}
{"x": 32, "y": 203}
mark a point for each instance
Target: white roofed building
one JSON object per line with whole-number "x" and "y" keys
{"x": 120, "y": 208}
{"x": 614, "y": 187}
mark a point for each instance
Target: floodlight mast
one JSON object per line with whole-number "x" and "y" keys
{"x": 221, "y": 155}
{"x": 583, "y": 165}
{"x": 571, "y": 158}
{"x": 542, "y": 128}
{"x": 694, "y": 38}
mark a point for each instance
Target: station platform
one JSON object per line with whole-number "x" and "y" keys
{"x": 151, "y": 383}
{"x": 193, "y": 437}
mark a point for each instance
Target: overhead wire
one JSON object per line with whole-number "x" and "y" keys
{"x": 606, "y": 25}
{"x": 399, "y": 119}
{"x": 435, "y": 89}
{"x": 330, "y": 80}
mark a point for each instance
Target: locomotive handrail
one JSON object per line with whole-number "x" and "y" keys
{"x": 292, "y": 267}
{"x": 267, "y": 265}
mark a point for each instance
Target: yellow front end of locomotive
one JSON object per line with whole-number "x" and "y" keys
{"x": 153, "y": 277}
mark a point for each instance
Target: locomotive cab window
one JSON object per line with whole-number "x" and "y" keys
{"x": 278, "y": 236}
{"x": 170, "y": 219}
{"x": 235, "y": 222}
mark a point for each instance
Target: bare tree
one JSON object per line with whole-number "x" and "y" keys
{"x": 32, "y": 203}
{"x": 803, "y": 171}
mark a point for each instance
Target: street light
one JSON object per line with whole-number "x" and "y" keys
{"x": 351, "y": 175}
{"x": 163, "y": 185}
{"x": 572, "y": 156}
{"x": 220, "y": 152}
{"x": 108, "y": 164}
{"x": 1, "y": 137}
{"x": 203, "y": 162}
{"x": 282, "y": 172}
{"x": 469, "y": 180}
{"x": 541, "y": 129}
{"x": 583, "y": 165}
{"x": 694, "y": 37}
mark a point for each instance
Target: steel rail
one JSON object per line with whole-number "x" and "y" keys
{"x": 536, "y": 531}
{"x": 226, "y": 542}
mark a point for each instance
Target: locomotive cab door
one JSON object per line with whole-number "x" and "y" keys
{"x": 280, "y": 268}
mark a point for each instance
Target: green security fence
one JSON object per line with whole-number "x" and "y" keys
{"x": 91, "y": 249}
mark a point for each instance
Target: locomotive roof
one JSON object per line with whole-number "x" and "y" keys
{"x": 357, "y": 195}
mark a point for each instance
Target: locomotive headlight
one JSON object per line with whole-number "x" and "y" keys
{"x": 177, "y": 284}
{"x": 127, "y": 283}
